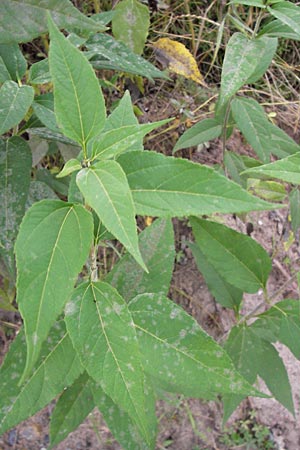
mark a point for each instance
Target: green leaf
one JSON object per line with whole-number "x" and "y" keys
{"x": 15, "y": 172}
{"x": 294, "y": 199}
{"x": 253, "y": 123}
{"x": 102, "y": 332}
{"x": 71, "y": 166}
{"x": 39, "y": 191}
{"x": 76, "y": 90}
{"x": 57, "y": 368}
{"x": 119, "y": 140}
{"x": 130, "y": 24}
{"x": 286, "y": 169}
{"x": 157, "y": 248}
{"x": 240, "y": 62}
{"x": 264, "y": 60}
{"x": 45, "y": 133}
{"x": 281, "y": 323}
{"x": 239, "y": 259}
{"x": 226, "y": 294}
{"x": 120, "y": 423}
{"x": 105, "y": 52}
{"x": 39, "y": 72}
{"x": 106, "y": 190}
{"x": 43, "y": 106}
{"x": 4, "y": 74}
{"x": 16, "y": 27}
{"x": 235, "y": 164}
{"x": 287, "y": 13}
{"x": 179, "y": 354}
{"x": 15, "y": 102}
{"x": 168, "y": 187}
{"x": 53, "y": 243}
{"x": 73, "y": 406}
{"x": 278, "y": 29}
{"x": 258, "y": 3}
{"x": 203, "y": 131}
{"x": 268, "y": 190}
{"x": 254, "y": 356}
{"x": 14, "y": 61}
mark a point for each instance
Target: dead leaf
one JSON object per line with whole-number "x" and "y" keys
{"x": 178, "y": 59}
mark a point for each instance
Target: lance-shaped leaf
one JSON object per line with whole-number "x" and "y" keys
{"x": 288, "y": 13}
{"x": 168, "y": 187}
{"x": 57, "y": 368}
{"x": 51, "y": 248}
{"x": 179, "y": 354}
{"x": 254, "y": 356}
{"x": 73, "y": 406}
{"x": 102, "y": 332}
{"x": 71, "y": 166}
{"x": 15, "y": 102}
{"x": 43, "y": 106}
{"x": 286, "y": 169}
{"x": 15, "y": 171}
{"x": 114, "y": 142}
{"x": 281, "y": 323}
{"x": 106, "y": 190}
{"x": 14, "y": 61}
{"x": 104, "y": 52}
{"x": 78, "y": 100}
{"x": 226, "y": 294}
{"x": 16, "y": 27}
{"x": 39, "y": 72}
{"x": 239, "y": 259}
{"x": 120, "y": 423}
{"x": 278, "y": 29}
{"x": 203, "y": 131}
{"x": 130, "y": 24}
{"x": 157, "y": 248}
{"x": 294, "y": 199}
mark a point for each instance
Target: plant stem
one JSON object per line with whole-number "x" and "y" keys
{"x": 94, "y": 268}
{"x": 224, "y": 131}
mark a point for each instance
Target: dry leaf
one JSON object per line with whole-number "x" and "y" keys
{"x": 178, "y": 59}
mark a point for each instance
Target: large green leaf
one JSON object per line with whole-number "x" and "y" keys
{"x": 179, "y": 354}
{"x": 130, "y": 24}
{"x": 278, "y": 29}
{"x": 76, "y": 90}
{"x": 239, "y": 259}
{"x": 43, "y": 106}
{"x": 226, "y": 294}
{"x": 167, "y": 187}
{"x": 16, "y": 27}
{"x": 157, "y": 248}
{"x": 240, "y": 62}
{"x": 281, "y": 323}
{"x": 106, "y": 190}
{"x": 14, "y": 61}
{"x": 288, "y": 13}
{"x": 105, "y": 52}
{"x": 51, "y": 248}
{"x": 102, "y": 332}
{"x": 286, "y": 169}
{"x": 15, "y": 170}
{"x": 203, "y": 131}
{"x": 120, "y": 423}
{"x": 254, "y": 356}
{"x": 73, "y": 406}
{"x": 57, "y": 368}
{"x": 15, "y": 102}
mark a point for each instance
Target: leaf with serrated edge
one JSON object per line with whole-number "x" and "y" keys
{"x": 121, "y": 425}
{"x": 15, "y": 173}
{"x": 51, "y": 248}
{"x": 179, "y": 354}
{"x": 157, "y": 248}
{"x": 78, "y": 100}
{"x": 16, "y": 27}
{"x": 72, "y": 407}
{"x": 239, "y": 259}
{"x": 57, "y": 368}
{"x": 164, "y": 186}
{"x": 103, "y": 334}
{"x": 105, "y": 188}
{"x": 15, "y": 101}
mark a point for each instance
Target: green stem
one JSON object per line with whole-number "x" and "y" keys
{"x": 224, "y": 131}
{"x": 257, "y": 23}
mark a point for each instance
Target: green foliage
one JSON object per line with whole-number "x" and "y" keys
{"x": 112, "y": 337}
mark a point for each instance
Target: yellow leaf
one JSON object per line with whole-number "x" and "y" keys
{"x": 178, "y": 59}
